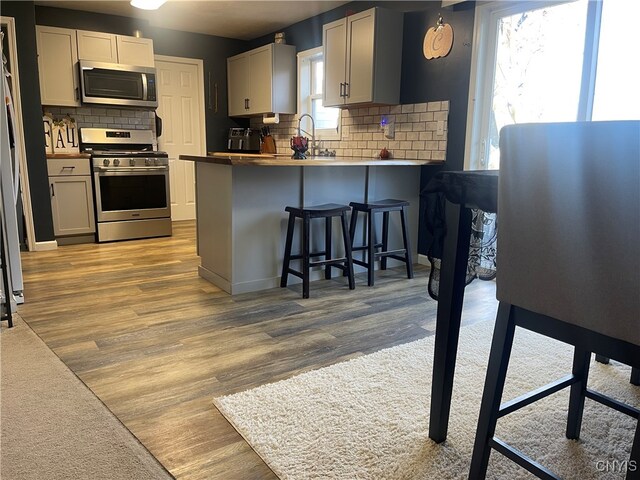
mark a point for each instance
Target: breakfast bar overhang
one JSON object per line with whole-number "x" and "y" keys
{"x": 240, "y": 202}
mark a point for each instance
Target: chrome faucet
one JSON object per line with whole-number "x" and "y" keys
{"x": 313, "y": 131}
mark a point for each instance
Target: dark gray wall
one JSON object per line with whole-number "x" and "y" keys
{"x": 24, "y": 15}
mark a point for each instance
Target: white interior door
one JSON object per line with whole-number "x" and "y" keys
{"x": 181, "y": 107}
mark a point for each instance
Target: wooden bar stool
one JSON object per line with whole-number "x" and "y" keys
{"x": 326, "y": 211}
{"x": 369, "y": 256}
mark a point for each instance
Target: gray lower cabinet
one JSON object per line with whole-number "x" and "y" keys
{"x": 71, "y": 198}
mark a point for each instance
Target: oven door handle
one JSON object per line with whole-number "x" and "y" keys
{"x": 132, "y": 169}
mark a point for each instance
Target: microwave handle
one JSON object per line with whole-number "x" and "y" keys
{"x": 144, "y": 86}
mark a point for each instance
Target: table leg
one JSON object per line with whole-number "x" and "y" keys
{"x": 453, "y": 271}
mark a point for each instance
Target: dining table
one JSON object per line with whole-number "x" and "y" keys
{"x": 460, "y": 192}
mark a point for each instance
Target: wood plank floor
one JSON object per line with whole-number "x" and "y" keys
{"x": 156, "y": 343}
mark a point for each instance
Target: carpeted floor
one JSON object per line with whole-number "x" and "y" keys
{"x": 53, "y": 426}
{"x": 368, "y": 418}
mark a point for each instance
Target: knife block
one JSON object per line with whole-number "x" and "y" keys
{"x": 268, "y": 145}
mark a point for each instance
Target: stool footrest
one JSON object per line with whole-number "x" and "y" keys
{"x": 393, "y": 254}
{"x": 331, "y": 262}
{"x": 294, "y": 272}
{"x": 311, "y": 255}
{"x": 365, "y": 247}
{"x": 398, "y": 257}
{"x": 361, "y": 263}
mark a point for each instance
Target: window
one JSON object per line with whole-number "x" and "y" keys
{"x": 310, "y": 82}
{"x": 548, "y": 62}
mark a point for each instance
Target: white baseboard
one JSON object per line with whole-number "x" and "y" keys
{"x": 44, "y": 246}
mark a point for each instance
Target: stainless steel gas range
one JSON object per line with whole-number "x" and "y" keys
{"x": 130, "y": 183}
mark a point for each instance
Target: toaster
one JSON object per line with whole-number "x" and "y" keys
{"x": 243, "y": 140}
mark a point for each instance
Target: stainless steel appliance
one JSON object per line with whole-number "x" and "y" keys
{"x": 243, "y": 140}
{"x": 115, "y": 84}
{"x": 130, "y": 182}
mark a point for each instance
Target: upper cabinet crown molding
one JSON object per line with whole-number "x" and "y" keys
{"x": 262, "y": 80}
{"x": 363, "y": 58}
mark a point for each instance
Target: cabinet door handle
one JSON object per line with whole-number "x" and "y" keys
{"x": 347, "y": 90}
{"x": 341, "y": 89}
{"x": 248, "y": 103}
{"x": 53, "y": 192}
{"x": 77, "y": 92}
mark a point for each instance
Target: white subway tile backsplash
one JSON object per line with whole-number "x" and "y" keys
{"x": 440, "y": 115}
{"x": 106, "y": 117}
{"x": 426, "y": 117}
{"x": 426, "y": 136}
{"x": 415, "y": 131}
{"x": 420, "y": 107}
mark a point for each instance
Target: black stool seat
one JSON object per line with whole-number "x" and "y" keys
{"x": 369, "y": 249}
{"x": 327, "y": 211}
{"x": 317, "y": 211}
{"x": 388, "y": 204}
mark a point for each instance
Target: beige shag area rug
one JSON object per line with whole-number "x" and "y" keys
{"x": 53, "y": 426}
{"x": 368, "y": 418}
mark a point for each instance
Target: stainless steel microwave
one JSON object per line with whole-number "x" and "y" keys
{"x": 114, "y": 84}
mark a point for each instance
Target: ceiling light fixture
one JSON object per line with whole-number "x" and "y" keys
{"x": 147, "y": 4}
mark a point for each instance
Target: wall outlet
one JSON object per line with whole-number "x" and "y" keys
{"x": 389, "y": 130}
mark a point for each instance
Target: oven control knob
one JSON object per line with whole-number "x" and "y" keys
{"x": 116, "y": 162}
{"x": 156, "y": 162}
{"x": 147, "y": 162}
{"x": 132, "y": 162}
{"x": 105, "y": 162}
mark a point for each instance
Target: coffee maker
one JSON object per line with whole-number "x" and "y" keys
{"x": 243, "y": 140}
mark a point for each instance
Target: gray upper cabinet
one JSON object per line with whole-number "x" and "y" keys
{"x": 363, "y": 58}
{"x": 97, "y": 46}
{"x": 135, "y": 51}
{"x": 57, "y": 58}
{"x": 262, "y": 80}
{"x": 106, "y": 47}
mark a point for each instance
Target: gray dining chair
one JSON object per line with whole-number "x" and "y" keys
{"x": 568, "y": 266}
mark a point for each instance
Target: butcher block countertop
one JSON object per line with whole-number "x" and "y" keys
{"x": 282, "y": 160}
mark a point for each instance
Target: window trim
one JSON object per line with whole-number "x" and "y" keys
{"x": 304, "y": 91}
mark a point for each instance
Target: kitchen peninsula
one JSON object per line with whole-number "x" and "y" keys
{"x": 241, "y": 221}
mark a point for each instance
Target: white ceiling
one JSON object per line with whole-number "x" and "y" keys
{"x": 245, "y": 19}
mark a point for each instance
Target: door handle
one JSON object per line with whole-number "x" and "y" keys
{"x": 341, "y": 89}
{"x": 53, "y": 192}
{"x": 347, "y": 90}
{"x": 77, "y": 93}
